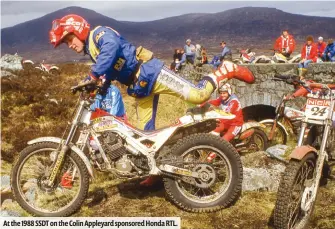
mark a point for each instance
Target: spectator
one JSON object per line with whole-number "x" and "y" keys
{"x": 204, "y": 59}
{"x": 309, "y": 54}
{"x": 321, "y": 46}
{"x": 189, "y": 54}
{"x": 176, "y": 59}
{"x": 226, "y": 52}
{"x": 285, "y": 44}
{"x": 329, "y": 54}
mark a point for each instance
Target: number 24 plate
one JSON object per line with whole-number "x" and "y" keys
{"x": 317, "y": 109}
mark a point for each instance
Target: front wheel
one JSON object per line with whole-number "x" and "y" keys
{"x": 54, "y": 72}
{"x": 221, "y": 177}
{"x": 291, "y": 210}
{"x": 29, "y": 181}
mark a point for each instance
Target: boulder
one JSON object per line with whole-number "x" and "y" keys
{"x": 13, "y": 62}
{"x": 261, "y": 173}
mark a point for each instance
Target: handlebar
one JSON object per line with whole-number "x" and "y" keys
{"x": 87, "y": 86}
{"x": 322, "y": 86}
{"x": 307, "y": 86}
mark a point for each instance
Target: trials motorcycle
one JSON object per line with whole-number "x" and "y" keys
{"x": 287, "y": 119}
{"x": 51, "y": 176}
{"x": 308, "y": 161}
{"x": 280, "y": 58}
{"x": 249, "y": 57}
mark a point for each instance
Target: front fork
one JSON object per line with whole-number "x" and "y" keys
{"x": 309, "y": 194}
{"x": 65, "y": 147}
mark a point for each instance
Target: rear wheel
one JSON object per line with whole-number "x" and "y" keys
{"x": 279, "y": 135}
{"x": 258, "y": 141}
{"x": 54, "y": 72}
{"x": 221, "y": 178}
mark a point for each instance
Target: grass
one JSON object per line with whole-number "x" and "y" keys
{"x": 27, "y": 113}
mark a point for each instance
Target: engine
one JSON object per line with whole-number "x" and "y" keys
{"x": 120, "y": 158}
{"x": 112, "y": 145}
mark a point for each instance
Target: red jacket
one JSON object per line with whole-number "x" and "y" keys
{"x": 313, "y": 53}
{"x": 321, "y": 48}
{"x": 232, "y": 106}
{"x": 282, "y": 43}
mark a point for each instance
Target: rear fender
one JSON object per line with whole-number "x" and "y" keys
{"x": 300, "y": 152}
{"x": 73, "y": 148}
{"x": 266, "y": 121}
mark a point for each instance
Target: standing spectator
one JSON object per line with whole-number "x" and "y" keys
{"x": 309, "y": 54}
{"x": 189, "y": 54}
{"x": 285, "y": 44}
{"x": 329, "y": 54}
{"x": 321, "y": 46}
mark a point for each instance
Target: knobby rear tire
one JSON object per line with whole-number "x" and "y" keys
{"x": 234, "y": 188}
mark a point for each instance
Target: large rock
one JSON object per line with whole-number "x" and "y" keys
{"x": 261, "y": 173}
{"x": 13, "y": 62}
{"x": 9, "y": 213}
{"x": 6, "y": 192}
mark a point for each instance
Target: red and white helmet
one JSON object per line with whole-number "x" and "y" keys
{"x": 226, "y": 87}
{"x": 68, "y": 24}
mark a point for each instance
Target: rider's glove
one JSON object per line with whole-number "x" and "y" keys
{"x": 103, "y": 89}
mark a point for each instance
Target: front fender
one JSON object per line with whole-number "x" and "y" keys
{"x": 266, "y": 121}
{"x": 72, "y": 146}
{"x": 54, "y": 67}
{"x": 301, "y": 151}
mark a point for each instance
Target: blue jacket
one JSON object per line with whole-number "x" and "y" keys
{"x": 113, "y": 55}
{"x": 330, "y": 49}
{"x": 188, "y": 50}
{"x": 116, "y": 57}
{"x": 225, "y": 51}
{"x": 111, "y": 102}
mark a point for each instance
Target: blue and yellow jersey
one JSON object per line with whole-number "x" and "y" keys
{"x": 112, "y": 55}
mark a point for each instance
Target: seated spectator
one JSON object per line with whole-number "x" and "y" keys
{"x": 329, "y": 53}
{"x": 204, "y": 59}
{"x": 176, "y": 59}
{"x": 309, "y": 54}
{"x": 321, "y": 46}
{"x": 285, "y": 44}
{"x": 189, "y": 54}
{"x": 215, "y": 60}
{"x": 226, "y": 52}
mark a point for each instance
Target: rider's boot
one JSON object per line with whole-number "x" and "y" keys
{"x": 228, "y": 70}
{"x": 150, "y": 181}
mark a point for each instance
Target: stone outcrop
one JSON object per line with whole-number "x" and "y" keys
{"x": 261, "y": 172}
{"x": 12, "y": 62}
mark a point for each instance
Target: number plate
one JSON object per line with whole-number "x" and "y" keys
{"x": 317, "y": 109}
